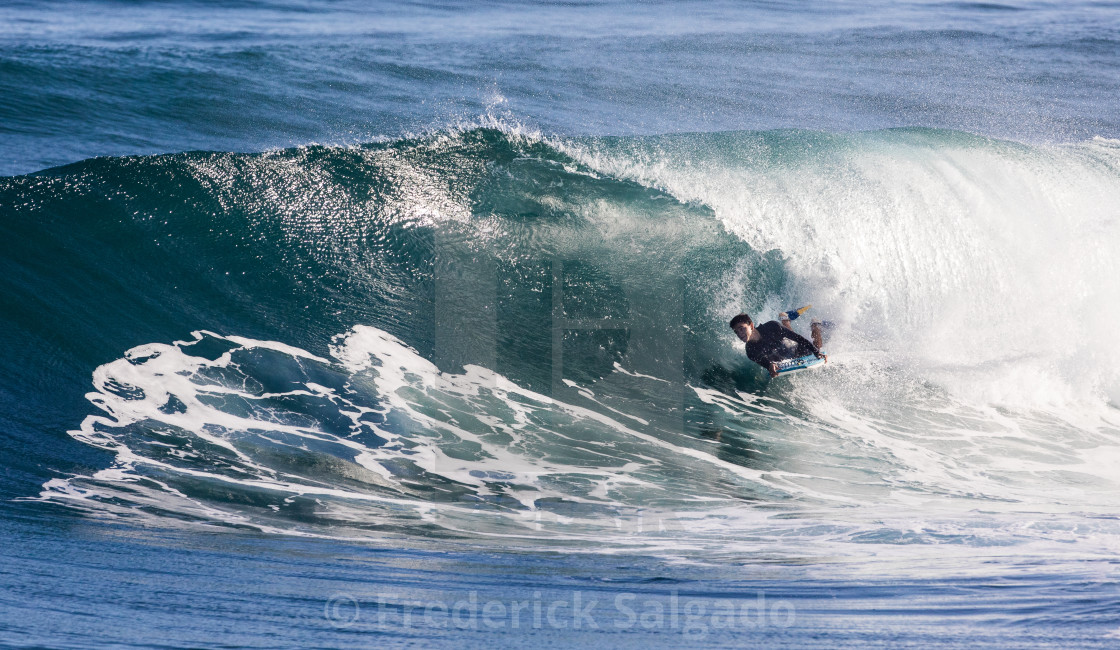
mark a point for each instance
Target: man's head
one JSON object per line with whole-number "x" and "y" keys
{"x": 743, "y": 326}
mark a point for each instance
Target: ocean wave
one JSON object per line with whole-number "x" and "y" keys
{"x": 493, "y": 334}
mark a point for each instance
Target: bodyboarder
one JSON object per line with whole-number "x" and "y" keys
{"x": 771, "y": 343}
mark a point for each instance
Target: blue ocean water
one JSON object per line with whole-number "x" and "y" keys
{"x": 389, "y": 324}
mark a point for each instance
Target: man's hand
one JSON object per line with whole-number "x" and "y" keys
{"x": 773, "y": 369}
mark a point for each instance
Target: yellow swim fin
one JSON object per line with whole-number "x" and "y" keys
{"x": 793, "y": 314}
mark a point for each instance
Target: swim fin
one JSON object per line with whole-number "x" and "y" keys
{"x": 792, "y": 314}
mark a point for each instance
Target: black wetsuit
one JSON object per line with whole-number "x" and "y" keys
{"x": 778, "y": 344}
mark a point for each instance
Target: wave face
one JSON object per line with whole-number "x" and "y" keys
{"x": 491, "y": 336}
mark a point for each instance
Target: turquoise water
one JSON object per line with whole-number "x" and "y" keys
{"x": 339, "y": 324}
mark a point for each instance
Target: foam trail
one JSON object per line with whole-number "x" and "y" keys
{"x": 175, "y": 420}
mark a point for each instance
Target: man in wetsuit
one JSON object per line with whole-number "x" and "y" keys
{"x": 771, "y": 343}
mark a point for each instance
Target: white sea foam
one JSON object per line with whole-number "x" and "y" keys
{"x": 177, "y": 421}
{"x": 198, "y": 438}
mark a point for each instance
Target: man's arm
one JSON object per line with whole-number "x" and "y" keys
{"x": 761, "y": 360}
{"x": 801, "y": 340}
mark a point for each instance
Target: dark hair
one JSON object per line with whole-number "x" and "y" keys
{"x": 741, "y": 318}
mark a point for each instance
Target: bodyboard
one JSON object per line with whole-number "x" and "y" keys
{"x": 798, "y": 364}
